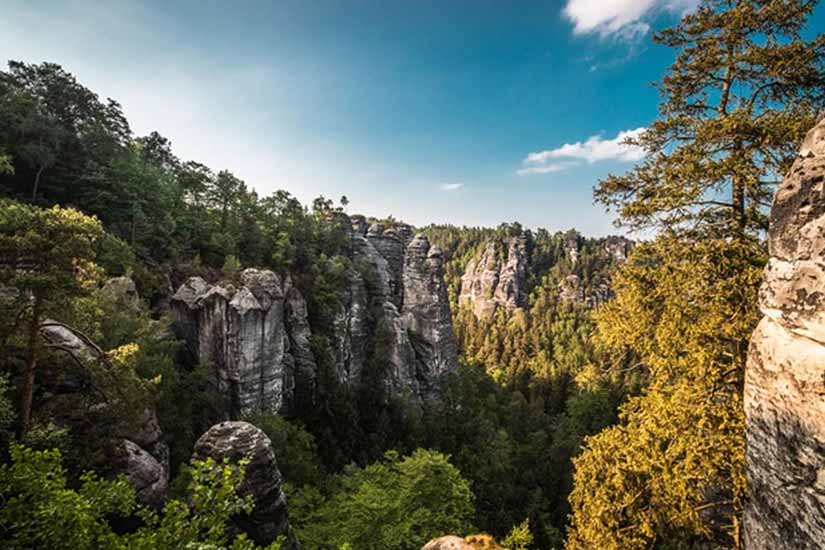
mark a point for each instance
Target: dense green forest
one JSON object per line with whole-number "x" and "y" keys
{"x": 162, "y": 219}
{"x": 610, "y": 420}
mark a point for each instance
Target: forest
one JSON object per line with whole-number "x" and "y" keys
{"x": 601, "y": 407}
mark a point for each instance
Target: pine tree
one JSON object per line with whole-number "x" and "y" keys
{"x": 743, "y": 90}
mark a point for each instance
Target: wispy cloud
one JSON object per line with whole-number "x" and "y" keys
{"x": 543, "y": 167}
{"x": 452, "y": 186}
{"x": 595, "y": 149}
{"x": 623, "y": 20}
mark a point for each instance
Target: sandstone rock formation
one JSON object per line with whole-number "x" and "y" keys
{"x": 123, "y": 290}
{"x": 785, "y": 377}
{"x": 448, "y": 542}
{"x": 255, "y": 335}
{"x": 239, "y": 440}
{"x": 618, "y": 247}
{"x": 489, "y": 282}
{"x": 252, "y": 337}
{"x": 148, "y": 476}
{"x": 141, "y": 454}
{"x": 396, "y": 299}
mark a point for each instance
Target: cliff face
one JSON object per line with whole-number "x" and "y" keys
{"x": 398, "y": 308}
{"x": 497, "y": 276}
{"x": 785, "y": 377}
{"x": 490, "y": 282}
{"x": 254, "y": 336}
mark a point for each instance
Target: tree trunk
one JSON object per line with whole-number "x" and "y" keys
{"x": 37, "y": 182}
{"x": 738, "y": 191}
{"x": 27, "y": 379}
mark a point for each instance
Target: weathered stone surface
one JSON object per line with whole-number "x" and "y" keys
{"x": 571, "y": 245}
{"x": 241, "y": 440}
{"x": 396, "y": 295}
{"x": 142, "y": 455}
{"x": 785, "y": 377}
{"x": 299, "y": 360}
{"x": 148, "y": 475}
{"x": 255, "y": 336}
{"x": 123, "y": 290}
{"x": 488, "y": 283}
{"x": 426, "y": 313}
{"x": 391, "y": 245}
{"x": 244, "y": 335}
{"x": 448, "y": 542}
{"x": 618, "y": 247}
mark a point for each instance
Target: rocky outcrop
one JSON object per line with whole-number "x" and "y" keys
{"x": 240, "y": 440}
{"x": 147, "y": 475}
{"x": 572, "y": 245}
{"x": 619, "y": 248}
{"x": 494, "y": 280}
{"x": 426, "y": 313}
{"x": 448, "y": 542}
{"x": 785, "y": 376}
{"x": 123, "y": 290}
{"x": 252, "y": 336}
{"x": 396, "y": 307}
{"x": 140, "y": 454}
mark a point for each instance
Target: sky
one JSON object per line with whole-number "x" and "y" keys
{"x": 471, "y": 112}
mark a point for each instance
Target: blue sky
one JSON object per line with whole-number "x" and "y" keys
{"x": 469, "y": 112}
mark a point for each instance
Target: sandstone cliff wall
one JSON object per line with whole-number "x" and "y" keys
{"x": 254, "y": 335}
{"x": 785, "y": 377}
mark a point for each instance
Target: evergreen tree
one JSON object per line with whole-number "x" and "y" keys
{"x": 744, "y": 89}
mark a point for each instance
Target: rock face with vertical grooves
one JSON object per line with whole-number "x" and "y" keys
{"x": 251, "y": 337}
{"x": 396, "y": 309}
{"x": 254, "y": 335}
{"x": 497, "y": 278}
{"x": 240, "y": 440}
{"x": 785, "y": 377}
{"x": 426, "y": 313}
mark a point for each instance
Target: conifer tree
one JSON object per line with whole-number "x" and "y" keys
{"x": 744, "y": 88}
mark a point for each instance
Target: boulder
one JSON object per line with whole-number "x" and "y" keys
{"x": 122, "y": 290}
{"x": 148, "y": 476}
{"x": 240, "y": 440}
{"x": 448, "y": 542}
{"x": 785, "y": 375}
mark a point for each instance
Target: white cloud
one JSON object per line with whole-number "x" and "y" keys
{"x": 621, "y": 19}
{"x": 452, "y": 186}
{"x": 542, "y": 168}
{"x": 595, "y": 149}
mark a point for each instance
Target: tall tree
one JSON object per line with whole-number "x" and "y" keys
{"x": 47, "y": 258}
{"x": 55, "y": 126}
{"x": 743, "y": 90}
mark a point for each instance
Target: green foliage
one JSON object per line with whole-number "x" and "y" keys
{"x": 393, "y": 504}
{"x": 673, "y": 470}
{"x": 6, "y": 166}
{"x": 47, "y": 252}
{"x": 42, "y": 510}
{"x": 294, "y": 447}
{"x": 231, "y": 266}
{"x": 47, "y": 259}
{"x": 519, "y": 537}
